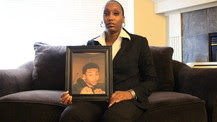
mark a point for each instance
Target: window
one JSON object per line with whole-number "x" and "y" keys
{"x": 56, "y": 22}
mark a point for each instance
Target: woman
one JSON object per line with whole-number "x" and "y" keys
{"x": 134, "y": 76}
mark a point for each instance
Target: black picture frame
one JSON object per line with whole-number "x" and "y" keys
{"x": 76, "y": 58}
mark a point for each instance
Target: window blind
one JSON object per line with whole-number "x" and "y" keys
{"x": 55, "y": 22}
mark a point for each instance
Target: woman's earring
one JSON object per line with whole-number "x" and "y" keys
{"x": 101, "y": 25}
{"x": 123, "y": 25}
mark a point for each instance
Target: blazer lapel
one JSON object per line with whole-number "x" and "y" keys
{"x": 124, "y": 45}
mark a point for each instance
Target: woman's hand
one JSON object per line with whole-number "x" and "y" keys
{"x": 66, "y": 98}
{"x": 119, "y": 96}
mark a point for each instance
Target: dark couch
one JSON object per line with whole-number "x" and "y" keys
{"x": 31, "y": 93}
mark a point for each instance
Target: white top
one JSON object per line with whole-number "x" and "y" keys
{"x": 117, "y": 44}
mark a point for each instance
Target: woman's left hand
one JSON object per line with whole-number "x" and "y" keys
{"x": 119, "y": 96}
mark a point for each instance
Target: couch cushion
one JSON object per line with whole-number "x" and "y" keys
{"x": 174, "y": 107}
{"x": 31, "y": 106}
{"x": 49, "y": 67}
{"x": 162, "y": 57}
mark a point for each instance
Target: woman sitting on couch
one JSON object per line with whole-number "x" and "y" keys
{"x": 134, "y": 76}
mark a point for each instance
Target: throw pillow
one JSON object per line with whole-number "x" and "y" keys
{"x": 162, "y": 57}
{"x": 49, "y": 67}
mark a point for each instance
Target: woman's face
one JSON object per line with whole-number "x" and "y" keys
{"x": 113, "y": 17}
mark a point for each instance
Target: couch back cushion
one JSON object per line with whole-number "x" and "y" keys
{"x": 162, "y": 57}
{"x": 49, "y": 67}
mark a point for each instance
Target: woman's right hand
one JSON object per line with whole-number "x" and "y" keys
{"x": 66, "y": 98}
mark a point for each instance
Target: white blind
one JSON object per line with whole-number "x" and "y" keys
{"x": 56, "y": 22}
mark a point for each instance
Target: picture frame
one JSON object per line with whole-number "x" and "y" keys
{"x": 89, "y": 75}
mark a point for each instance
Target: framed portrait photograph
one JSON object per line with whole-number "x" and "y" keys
{"x": 89, "y": 72}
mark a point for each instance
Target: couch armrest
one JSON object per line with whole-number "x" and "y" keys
{"x": 199, "y": 82}
{"x": 16, "y": 80}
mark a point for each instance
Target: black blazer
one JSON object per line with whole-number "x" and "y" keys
{"x": 133, "y": 68}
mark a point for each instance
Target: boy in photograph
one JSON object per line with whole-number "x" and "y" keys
{"x": 88, "y": 84}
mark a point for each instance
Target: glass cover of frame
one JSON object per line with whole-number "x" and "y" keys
{"x": 89, "y": 72}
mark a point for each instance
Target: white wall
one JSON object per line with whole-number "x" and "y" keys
{"x": 173, "y": 10}
{"x": 163, "y": 6}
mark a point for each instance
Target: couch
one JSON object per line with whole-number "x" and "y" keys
{"x": 31, "y": 93}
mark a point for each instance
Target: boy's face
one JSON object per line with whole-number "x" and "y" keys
{"x": 91, "y": 76}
